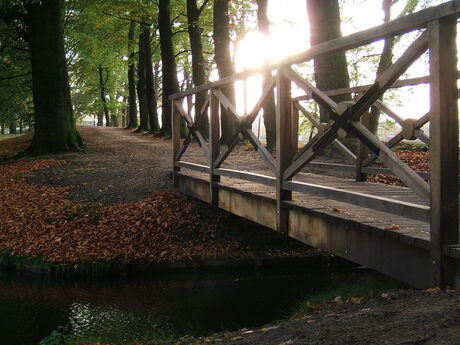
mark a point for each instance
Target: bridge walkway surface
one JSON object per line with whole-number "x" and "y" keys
{"x": 410, "y": 233}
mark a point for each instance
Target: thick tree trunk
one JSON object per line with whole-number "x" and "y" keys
{"x": 168, "y": 63}
{"x": 149, "y": 81}
{"x": 385, "y": 62}
{"x": 331, "y": 71}
{"x": 144, "y": 125}
{"x": 12, "y": 127}
{"x": 54, "y": 124}
{"x": 198, "y": 68}
{"x": 269, "y": 106}
{"x": 100, "y": 118}
{"x": 114, "y": 120}
{"x": 103, "y": 95}
{"x": 224, "y": 64}
{"x": 132, "y": 113}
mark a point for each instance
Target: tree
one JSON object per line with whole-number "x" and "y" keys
{"x": 150, "y": 82}
{"x": 168, "y": 63}
{"x": 54, "y": 124}
{"x": 386, "y": 56}
{"x": 102, "y": 86}
{"x": 330, "y": 71}
{"x": 144, "y": 125}
{"x": 198, "y": 63}
{"x": 132, "y": 112}
{"x": 224, "y": 64}
{"x": 269, "y": 106}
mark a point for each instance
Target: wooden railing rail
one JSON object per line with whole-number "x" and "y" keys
{"x": 437, "y": 27}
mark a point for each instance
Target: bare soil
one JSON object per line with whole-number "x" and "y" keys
{"x": 396, "y": 317}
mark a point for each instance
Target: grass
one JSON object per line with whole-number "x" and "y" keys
{"x": 36, "y": 264}
{"x": 351, "y": 289}
{"x": 60, "y": 336}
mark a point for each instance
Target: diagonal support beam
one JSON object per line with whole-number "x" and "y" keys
{"x": 318, "y": 126}
{"x": 417, "y": 48}
{"x": 191, "y": 127}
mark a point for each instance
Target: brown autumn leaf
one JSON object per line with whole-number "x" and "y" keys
{"x": 392, "y": 227}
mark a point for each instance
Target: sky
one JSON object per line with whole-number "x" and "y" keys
{"x": 289, "y": 35}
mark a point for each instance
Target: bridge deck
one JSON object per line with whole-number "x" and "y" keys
{"x": 395, "y": 245}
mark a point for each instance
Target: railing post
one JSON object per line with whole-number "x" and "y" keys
{"x": 294, "y": 128}
{"x": 444, "y": 146}
{"x": 362, "y": 152}
{"x": 214, "y": 147}
{"x": 175, "y": 129}
{"x": 284, "y": 146}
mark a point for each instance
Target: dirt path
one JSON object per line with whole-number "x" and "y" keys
{"x": 115, "y": 166}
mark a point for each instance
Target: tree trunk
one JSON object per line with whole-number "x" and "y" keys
{"x": 331, "y": 71}
{"x": 114, "y": 120}
{"x": 132, "y": 113}
{"x": 100, "y": 118}
{"x": 149, "y": 81}
{"x": 144, "y": 125}
{"x": 168, "y": 62}
{"x": 385, "y": 62}
{"x": 102, "y": 91}
{"x": 224, "y": 64}
{"x": 269, "y": 105}
{"x": 54, "y": 124}
{"x": 12, "y": 126}
{"x": 198, "y": 68}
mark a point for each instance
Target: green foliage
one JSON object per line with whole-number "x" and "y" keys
{"x": 354, "y": 286}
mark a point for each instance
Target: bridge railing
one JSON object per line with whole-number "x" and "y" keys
{"x": 439, "y": 198}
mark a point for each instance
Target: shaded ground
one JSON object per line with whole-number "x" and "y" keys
{"x": 113, "y": 180}
{"x": 114, "y": 201}
{"x": 398, "y": 317}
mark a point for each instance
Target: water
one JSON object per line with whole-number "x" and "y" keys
{"x": 141, "y": 308}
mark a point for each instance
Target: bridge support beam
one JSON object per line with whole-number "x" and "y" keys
{"x": 284, "y": 149}
{"x": 444, "y": 230}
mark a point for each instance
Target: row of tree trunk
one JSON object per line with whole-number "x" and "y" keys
{"x": 54, "y": 124}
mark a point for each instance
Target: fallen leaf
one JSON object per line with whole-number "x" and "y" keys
{"x": 393, "y": 227}
{"x": 356, "y": 300}
{"x": 433, "y": 291}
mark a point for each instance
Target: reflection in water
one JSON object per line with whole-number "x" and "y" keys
{"x": 143, "y": 308}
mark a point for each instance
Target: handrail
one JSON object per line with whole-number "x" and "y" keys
{"x": 395, "y": 27}
{"x": 441, "y": 194}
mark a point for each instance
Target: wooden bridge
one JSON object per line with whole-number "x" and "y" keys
{"x": 410, "y": 233}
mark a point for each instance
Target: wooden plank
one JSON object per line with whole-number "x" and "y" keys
{"x": 225, "y": 102}
{"x": 248, "y": 176}
{"x": 284, "y": 151}
{"x": 385, "y": 109}
{"x": 191, "y": 127}
{"x": 214, "y": 144}
{"x": 444, "y": 146}
{"x": 395, "y": 27}
{"x": 226, "y": 152}
{"x": 261, "y": 150}
{"x": 389, "y": 158}
{"x": 193, "y": 166}
{"x": 362, "y": 104}
{"x": 400, "y": 208}
{"x": 184, "y": 146}
{"x": 318, "y": 125}
{"x": 175, "y": 131}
